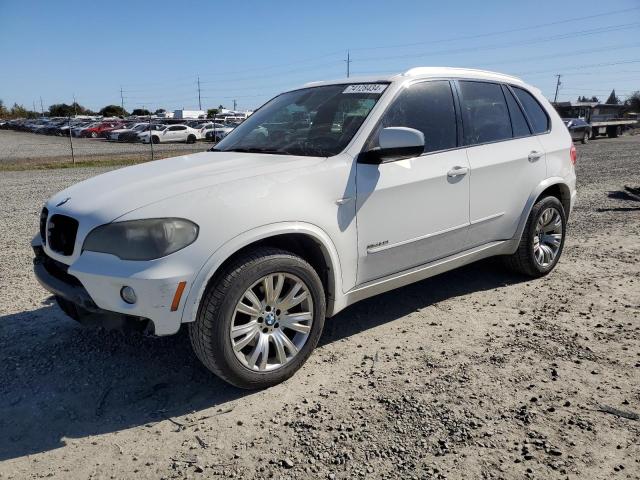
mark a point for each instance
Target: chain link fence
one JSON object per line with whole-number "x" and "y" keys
{"x": 22, "y": 148}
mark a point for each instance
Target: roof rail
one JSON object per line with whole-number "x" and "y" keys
{"x": 428, "y": 70}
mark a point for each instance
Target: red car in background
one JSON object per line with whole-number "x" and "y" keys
{"x": 95, "y": 131}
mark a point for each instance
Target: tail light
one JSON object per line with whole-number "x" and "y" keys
{"x": 573, "y": 154}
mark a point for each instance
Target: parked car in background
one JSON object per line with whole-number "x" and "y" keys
{"x": 134, "y": 135}
{"x": 215, "y": 132}
{"x": 578, "y": 128}
{"x": 95, "y": 130}
{"x": 77, "y": 130}
{"x": 392, "y": 180}
{"x": 64, "y": 129}
{"x": 171, "y": 133}
{"x": 115, "y": 133}
{"x": 54, "y": 126}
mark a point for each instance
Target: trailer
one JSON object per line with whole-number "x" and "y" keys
{"x": 604, "y": 118}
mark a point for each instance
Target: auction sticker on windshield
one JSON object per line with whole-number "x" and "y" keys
{"x": 366, "y": 88}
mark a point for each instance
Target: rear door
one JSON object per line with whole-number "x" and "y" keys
{"x": 507, "y": 162}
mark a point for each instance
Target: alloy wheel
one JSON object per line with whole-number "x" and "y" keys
{"x": 548, "y": 237}
{"x": 271, "y": 322}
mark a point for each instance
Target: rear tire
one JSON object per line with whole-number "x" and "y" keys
{"x": 94, "y": 135}
{"x": 534, "y": 239}
{"x": 191, "y": 139}
{"x": 211, "y": 335}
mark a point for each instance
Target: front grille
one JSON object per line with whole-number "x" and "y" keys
{"x": 43, "y": 224}
{"x": 61, "y": 234}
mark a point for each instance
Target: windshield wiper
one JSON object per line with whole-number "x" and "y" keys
{"x": 254, "y": 150}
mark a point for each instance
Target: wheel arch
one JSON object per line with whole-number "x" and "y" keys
{"x": 555, "y": 187}
{"x": 306, "y": 240}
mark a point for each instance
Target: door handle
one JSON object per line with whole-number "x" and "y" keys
{"x": 534, "y": 155}
{"x": 457, "y": 172}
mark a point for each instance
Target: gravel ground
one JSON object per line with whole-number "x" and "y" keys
{"x": 476, "y": 373}
{"x": 21, "y": 147}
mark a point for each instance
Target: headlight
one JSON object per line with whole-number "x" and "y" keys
{"x": 142, "y": 239}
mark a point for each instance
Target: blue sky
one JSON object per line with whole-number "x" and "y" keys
{"x": 252, "y": 50}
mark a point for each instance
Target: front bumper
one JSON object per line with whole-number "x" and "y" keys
{"x": 93, "y": 283}
{"x": 76, "y": 302}
{"x": 56, "y": 280}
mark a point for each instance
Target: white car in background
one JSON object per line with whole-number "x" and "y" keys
{"x": 329, "y": 194}
{"x": 171, "y": 133}
{"x": 215, "y": 131}
{"x": 115, "y": 134}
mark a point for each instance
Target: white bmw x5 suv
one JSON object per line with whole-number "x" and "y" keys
{"x": 326, "y": 195}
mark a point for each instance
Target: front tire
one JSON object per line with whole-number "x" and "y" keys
{"x": 155, "y": 139}
{"x": 191, "y": 139}
{"x": 259, "y": 319}
{"x": 542, "y": 240}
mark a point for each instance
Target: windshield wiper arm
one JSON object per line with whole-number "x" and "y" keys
{"x": 254, "y": 150}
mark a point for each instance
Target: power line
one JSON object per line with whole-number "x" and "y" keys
{"x": 562, "y": 36}
{"x": 501, "y": 32}
{"x": 578, "y": 67}
{"x": 430, "y": 42}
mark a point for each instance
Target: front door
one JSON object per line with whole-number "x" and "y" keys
{"x": 413, "y": 211}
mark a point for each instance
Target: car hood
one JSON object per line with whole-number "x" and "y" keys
{"x": 106, "y": 197}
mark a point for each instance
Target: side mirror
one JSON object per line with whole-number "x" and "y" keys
{"x": 396, "y": 143}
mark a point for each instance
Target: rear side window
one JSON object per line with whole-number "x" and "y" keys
{"x": 535, "y": 112}
{"x": 485, "y": 117}
{"x": 428, "y": 107}
{"x": 518, "y": 122}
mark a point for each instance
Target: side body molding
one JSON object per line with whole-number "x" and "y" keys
{"x": 240, "y": 241}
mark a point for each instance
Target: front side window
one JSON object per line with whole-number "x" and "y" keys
{"x": 316, "y": 121}
{"x": 537, "y": 116}
{"x": 485, "y": 117}
{"x": 428, "y": 107}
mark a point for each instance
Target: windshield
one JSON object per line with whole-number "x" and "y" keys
{"x": 317, "y": 121}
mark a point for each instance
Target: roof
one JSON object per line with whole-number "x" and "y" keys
{"x": 424, "y": 72}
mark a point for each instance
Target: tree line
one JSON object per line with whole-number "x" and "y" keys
{"x": 66, "y": 110}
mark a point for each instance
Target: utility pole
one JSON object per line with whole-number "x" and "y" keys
{"x": 121, "y": 99}
{"x": 75, "y": 104}
{"x": 234, "y": 105}
{"x": 348, "y": 61}
{"x": 558, "y": 83}
{"x": 41, "y": 107}
{"x": 199, "y": 100}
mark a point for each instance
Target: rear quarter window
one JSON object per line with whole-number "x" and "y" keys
{"x": 537, "y": 115}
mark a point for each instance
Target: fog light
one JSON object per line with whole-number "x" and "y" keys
{"x": 128, "y": 295}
